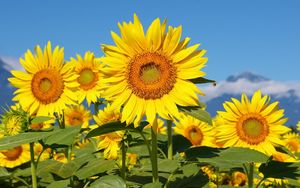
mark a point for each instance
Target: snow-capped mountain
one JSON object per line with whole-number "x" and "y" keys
{"x": 287, "y": 93}
{"x": 6, "y": 90}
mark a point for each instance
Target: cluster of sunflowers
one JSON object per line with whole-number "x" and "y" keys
{"x": 147, "y": 126}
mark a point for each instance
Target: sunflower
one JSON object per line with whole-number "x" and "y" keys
{"x": 255, "y": 124}
{"x": 109, "y": 142}
{"x": 151, "y": 73}
{"x": 89, "y": 77}
{"x": 77, "y": 115}
{"x": 40, "y": 152}
{"x": 298, "y": 126}
{"x": 161, "y": 128}
{"x": 42, "y": 126}
{"x": 47, "y": 85}
{"x": 238, "y": 179}
{"x": 197, "y": 132}
{"x": 14, "y": 157}
{"x": 292, "y": 141}
{"x": 13, "y": 121}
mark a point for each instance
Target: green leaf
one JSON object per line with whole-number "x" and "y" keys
{"x": 63, "y": 170}
{"x": 22, "y": 138}
{"x": 64, "y": 136}
{"x": 180, "y": 143}
{"x": 167, "y": 165}
{"x": 40, "y": 119}
{"x": 107, "y": 128}
{"x": 201, "y": 80}
{"x": 275, "y": 169}
{"x": 94, "y": 167}
{"x": 61, "y": 183}
{"x": 197, "y": 112}
{"x": 109, "y": 181}
{"x": 226, "y": 158}
{"x": 194, "y": 181}
{"x": 4, "y": 172}
{"x": 153, "y": 185}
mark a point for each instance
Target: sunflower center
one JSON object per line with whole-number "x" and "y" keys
{"x": 76, "y": 118}
{"x": 252, "y": 128}
{"x": 151, "y": 75}
{"x": 293, "y": 145}
{"x": 47, "y": 86}
{"x": 87, "y": 79}
{"x": 13, "y": 154}
{"x": 194, "y": 134}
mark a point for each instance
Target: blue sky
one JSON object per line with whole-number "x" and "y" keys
{"x": 258, "y": 36}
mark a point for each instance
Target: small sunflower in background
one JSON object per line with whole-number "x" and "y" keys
{"x": 42, "y": 126}
{"x": 197, "y": 132}
{"x": 41, "y": 153}
{"x": 15, "y": 157}
{"x": 89, "y": 77}
{"x": 47, "y": 85}
{"x": 77, "y": 115}
{"x": 292, "y": 141}
{"x": 109, "y": 142}
{"x": 298, "y": 126}
{"x": 161, "y": 128}
{"x": 254, "y": 124}
{"x": 14, "y": 121}
{"x": 150, "y": 72}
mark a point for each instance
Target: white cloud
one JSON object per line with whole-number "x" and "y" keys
{"x": 11, "y": 63}
{"x": 276, "y": 88}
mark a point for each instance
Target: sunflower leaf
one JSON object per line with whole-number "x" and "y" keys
{"x": 197, "y": 112}
{"x": 64, "y": 136}
{"x": 108, "y": 128}
{"x": 94, "y": 167}
{"x": 40, "y": 119}
{"x": 109, "y": 181}
{"x": 201, "y": 80}
{"x": 23, "y": 138}
{"x": 225, "y": 158}
{"x": 276, "y": 169}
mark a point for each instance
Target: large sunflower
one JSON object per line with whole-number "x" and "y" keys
{"x": 89, "y": 77}
{"x": 150, "y": 73}
{"x": 197, "y": 132}
{"x": 14, "y": 157}
{"x": 254, "y": 124}
{"x": 47, "y": 85}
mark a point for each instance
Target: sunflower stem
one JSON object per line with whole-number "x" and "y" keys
{"x": 33, "y": 166}
{"x": 250, "y": 175}
{"x": 96, "y": 108}
{"x": 170, "y": 140}
{"x": 69, "y": 159}
{"x": 123, "y": 170}
{"x": 154, "y": 151}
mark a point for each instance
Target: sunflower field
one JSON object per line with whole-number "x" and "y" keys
{"x": 133, "y": 118}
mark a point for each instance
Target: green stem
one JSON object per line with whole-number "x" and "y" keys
{"x": 250, "y": 175}
{"x": 147, "y": 143}
{"x": 33, "y": 166}
{"x": 170, "y": 144}
{"x": 69, "y": 159}
{"x": 260, "y": 182}
{"x": 96, "y": 108}
{"x": 21, "y": 180}
{"x": 154, "y": 151}
{"x": 123, "y": 170}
